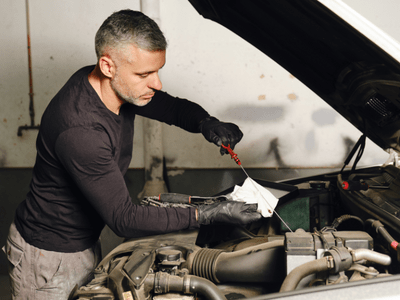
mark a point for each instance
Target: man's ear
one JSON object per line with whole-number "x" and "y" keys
{"x": 107, "y": 66}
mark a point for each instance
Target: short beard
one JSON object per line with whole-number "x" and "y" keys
{"x": 119, "y": 87}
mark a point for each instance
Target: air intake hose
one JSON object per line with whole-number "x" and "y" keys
{"x": 260, "y": 263}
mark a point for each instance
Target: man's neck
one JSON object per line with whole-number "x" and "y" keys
{"x": 101, "y": 84}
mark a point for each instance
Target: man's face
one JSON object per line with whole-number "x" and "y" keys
{"x": 136, "y": 78}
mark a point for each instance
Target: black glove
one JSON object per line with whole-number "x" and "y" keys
{"x": 220, "y": 133}
{"x": 231, "y": 212}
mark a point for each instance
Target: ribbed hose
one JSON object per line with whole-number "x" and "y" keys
{"x": 259, "y": 263}
{"x": 203, "y": 263}
{"x": 292, "y": 280}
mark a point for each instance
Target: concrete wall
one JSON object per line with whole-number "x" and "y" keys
{"x": 205, "y": 63}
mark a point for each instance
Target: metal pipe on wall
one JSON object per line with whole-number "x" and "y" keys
{"x": 152, "y": 130}
{"x": 31, "y": 103}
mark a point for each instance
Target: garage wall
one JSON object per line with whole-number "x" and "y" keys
{"x": 285, "y": 124}
{"x": 62, "y": 38}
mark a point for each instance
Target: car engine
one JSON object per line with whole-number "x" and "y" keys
{"x": 328, "y": 246}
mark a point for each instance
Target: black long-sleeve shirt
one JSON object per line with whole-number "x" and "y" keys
{"x": 83, "y": 152}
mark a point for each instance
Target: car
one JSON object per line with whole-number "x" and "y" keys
{"x": 331, "y": 236}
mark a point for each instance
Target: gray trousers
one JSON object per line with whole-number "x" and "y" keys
{"x": 41, "y": 274}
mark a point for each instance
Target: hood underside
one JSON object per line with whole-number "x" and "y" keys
{"x": 342, "y": 66}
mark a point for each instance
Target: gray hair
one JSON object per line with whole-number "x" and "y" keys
{"x": 129, "y": 27}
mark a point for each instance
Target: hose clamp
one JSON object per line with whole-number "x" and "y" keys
{"x": 186, "y": 284}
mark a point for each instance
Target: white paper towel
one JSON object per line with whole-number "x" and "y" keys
{"x": 251, "y": 192}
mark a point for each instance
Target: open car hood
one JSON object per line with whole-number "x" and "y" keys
{"x": 347, "y": 70}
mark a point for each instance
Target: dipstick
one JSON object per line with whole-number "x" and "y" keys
{"x": 236, "y": 159}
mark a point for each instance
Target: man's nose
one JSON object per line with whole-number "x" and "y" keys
{"x": 155, "y": 82}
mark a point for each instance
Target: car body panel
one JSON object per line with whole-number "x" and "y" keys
{"x": 346, "y": 69}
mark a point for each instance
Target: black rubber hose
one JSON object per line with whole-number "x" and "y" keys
{"x": 206, "y": 288}
{"x": 189, "y": 284}
{"x": 296, "y": 275}
{"x": 383, "y": 232}
{"x": 379, "y": 228}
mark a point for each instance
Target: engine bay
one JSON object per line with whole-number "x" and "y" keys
{"x": 340, "y": 234}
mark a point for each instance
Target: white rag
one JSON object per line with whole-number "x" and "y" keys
{"x": 251, "y": 192}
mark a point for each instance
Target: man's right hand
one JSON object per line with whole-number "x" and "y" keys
{"x": 219, "y": 133}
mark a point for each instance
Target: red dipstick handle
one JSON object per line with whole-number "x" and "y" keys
{"x": 233, "y": 154}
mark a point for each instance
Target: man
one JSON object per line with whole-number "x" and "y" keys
{"x": 84, "y": 148}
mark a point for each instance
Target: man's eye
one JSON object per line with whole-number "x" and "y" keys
{"x": 144, "y": 75}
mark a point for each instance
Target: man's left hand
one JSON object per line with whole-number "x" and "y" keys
{"x": 229, "y": 212}
{"x": 219, "y": 133}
